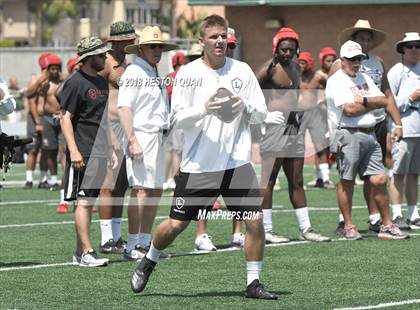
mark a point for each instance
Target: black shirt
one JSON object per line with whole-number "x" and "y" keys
{"x": 85, "y": 97}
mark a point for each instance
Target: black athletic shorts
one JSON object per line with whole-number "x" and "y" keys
{"x": 199, "y": 191}
{"x": 87, "y": 182}
{"x": 381, "y": 132}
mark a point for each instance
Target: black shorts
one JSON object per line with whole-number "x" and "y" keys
{"x": 85, "y": 183}
{"x": 381, "y": 132}
{"x": 199, "y": 191}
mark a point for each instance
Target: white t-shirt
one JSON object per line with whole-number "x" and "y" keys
{"x": 142, "y": 90}
{"x": 210, "y": 144}
{"x": 403, "y": 80}
{"x": 340, "y": 90}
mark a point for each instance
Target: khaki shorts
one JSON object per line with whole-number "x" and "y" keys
{"x": 406, "y": 156}
{"x": 148, "y": 172}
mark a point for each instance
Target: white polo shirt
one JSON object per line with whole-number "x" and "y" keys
{"x": 340, "y": 90}
{"x": 210, "y": 144}
{"x": 142, "y": 90}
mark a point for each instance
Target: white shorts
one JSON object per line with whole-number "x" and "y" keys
{"x": 405, "y": 156}
{"x": 175, "y": 140}
{"x": 148, "y": 172}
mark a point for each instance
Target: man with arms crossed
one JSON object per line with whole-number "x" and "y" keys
{"x": 216, "y": 154}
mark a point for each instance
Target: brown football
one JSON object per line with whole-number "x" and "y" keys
{"x": 224, "y": 96}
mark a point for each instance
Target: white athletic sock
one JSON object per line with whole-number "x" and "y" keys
{"x": 153, "y": 254}
{"x": 53, "y": 179}
{"x": 144, "y": 240}
{"x": 62, "y": 197}
{"x": 413, "y": 213}
{"x": 116, "y": 228}
{"x": 43, "y": 176}
{"x": 268, "y": 219}
{"x": 106, "y": 231}
{"x": 340, "y": 217}
{"x": 325, "y": 172}
{"x": 396, "y": 211}
{"x": 318, "y": 174}
{"x": 132, "y": 240}
{"x": 253, "y": 270}
{"x": 374, "y": 218}
{"x": 29, "y": 175}
{"x": 302, "y": 216}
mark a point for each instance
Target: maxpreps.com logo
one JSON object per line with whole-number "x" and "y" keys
{"x": 179, "y": 203}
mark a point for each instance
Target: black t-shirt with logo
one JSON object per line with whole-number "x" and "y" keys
{"x": 86, "y": 97}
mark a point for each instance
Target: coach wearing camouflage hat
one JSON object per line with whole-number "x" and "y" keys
{"x": 83, "y": 104}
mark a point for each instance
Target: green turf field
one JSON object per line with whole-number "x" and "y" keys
{"x": 35, "y": 269}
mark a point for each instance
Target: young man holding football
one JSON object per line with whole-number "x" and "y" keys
{"x": 216, "y": 153}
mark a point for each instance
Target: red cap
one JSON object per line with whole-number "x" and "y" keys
{"x": 306, "y": 56}
{"x": 42, "y": 61}
{"x": 283, "y": 34}
{"x": 231, "y": 39}
{"x": 53, "y": 59}
{"x": 326, "y": 51}
{"x": 178, "y": 59}
{"x": 71, "y": 63}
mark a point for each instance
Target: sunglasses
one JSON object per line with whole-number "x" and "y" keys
{"x": 355, "y": 58}
{"x": 154, "y": 46}
{"x": 411, "y": 45}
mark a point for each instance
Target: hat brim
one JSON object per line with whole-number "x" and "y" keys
{"x": 123, "y": 37}
{"x": 133, "y": 48}
{"x": 399, "y": 45}
{"x": 378, "y": 36}
{"x": 98, "y": 51}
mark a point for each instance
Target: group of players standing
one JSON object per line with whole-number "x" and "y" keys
{"x": 115, "y": 130}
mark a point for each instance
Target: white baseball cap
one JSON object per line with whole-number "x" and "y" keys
{"x": 351, "y": 49}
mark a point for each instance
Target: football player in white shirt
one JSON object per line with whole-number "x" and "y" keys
{"x": 216, "y": 153}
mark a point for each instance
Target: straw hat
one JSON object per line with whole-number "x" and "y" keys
{"x": 408, "y": 37}
{"x": 378, "y": 36}
{"x": 150, "y": 35}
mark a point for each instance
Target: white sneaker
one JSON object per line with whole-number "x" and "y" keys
{"x": 203, "y": 243}
{"x": 272, "y": 237}
{"x": 135, "y": 254}
{"x": 312, "y": 183}
{"x": 238, "y": 240}
{"x": 90, "y": 259}
{"x": 76, "y": 259}
{"x": 358, "y": 181}
{"x": 171, "y": 184}
{"x": 312, "y": 235}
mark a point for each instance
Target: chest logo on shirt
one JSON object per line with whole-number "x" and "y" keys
{"x": 237, "y": 85}
{"x": 95, "y": 93}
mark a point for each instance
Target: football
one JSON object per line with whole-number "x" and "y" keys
{"x": 225, "y": 113}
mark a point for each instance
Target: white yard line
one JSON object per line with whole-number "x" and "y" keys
{"x": 26, "y": 202}
{"x": 384, "y": 305}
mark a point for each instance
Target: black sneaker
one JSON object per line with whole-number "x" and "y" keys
{"x": 399, "y": 221}
{"x": 44, "y": 185}
{"x": 374, "y": 227}
{"x": 256, "y": 290}
{"x": 319, "y": 183}
{"x": 55, "y": 187}
{"x": 108, "y": 247}
{"x": 28, "y": 185}
{"x": 121, "y": 244}
{"x": 141, "y": 274}
{"x": 339, "y": 231}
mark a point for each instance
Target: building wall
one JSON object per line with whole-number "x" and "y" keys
{"x": 189, "y": 11}
{"x": 319, "y": 26}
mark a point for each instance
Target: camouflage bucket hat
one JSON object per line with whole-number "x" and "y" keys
{"x": 91, "y": 46}
{"x": 122, "y": 31}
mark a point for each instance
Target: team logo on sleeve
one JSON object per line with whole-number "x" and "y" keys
{"x": 237, "y": 85}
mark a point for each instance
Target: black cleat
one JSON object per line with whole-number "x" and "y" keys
{"x": 108, "y": 247}
{"x": 256, "y": 290}
{"x": 141, "y": 274}
{"x": 44, "y": 185}
{"x": 28, "y": 185}
{"x": 54, "y": 187}
{"x": 375, "y": 228}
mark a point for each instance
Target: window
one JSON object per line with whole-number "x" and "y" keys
{"x": 129, "y": 13}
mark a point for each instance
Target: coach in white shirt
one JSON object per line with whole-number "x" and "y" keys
{"x": 144, "y": 113}
{"x": 216, "y": 153}
{"x": 351, "y": 97}
{"x": 7, "y": 102}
